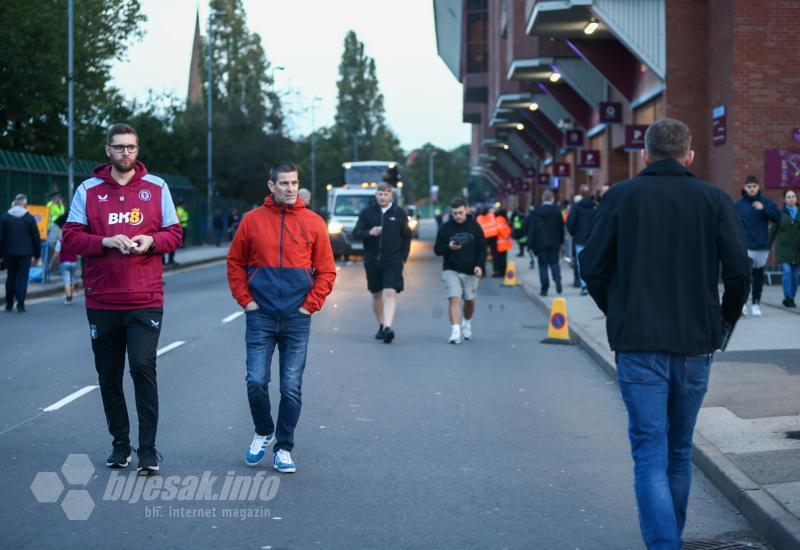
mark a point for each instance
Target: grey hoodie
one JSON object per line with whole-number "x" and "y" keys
{"x": 17, "y": 211}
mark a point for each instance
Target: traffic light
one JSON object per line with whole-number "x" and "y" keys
{"x": 391, "y": 175}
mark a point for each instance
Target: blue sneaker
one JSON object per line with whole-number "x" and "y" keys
{"x": 255, "y": 453}
{"x": 283, "y": 462}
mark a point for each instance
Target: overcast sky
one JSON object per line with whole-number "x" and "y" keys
{"x": 422, "y": 98}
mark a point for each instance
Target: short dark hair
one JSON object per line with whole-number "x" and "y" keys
{"x": 750, "y": 179}
{"x": 118, "y": 129}
{"x": 668, "y": 138}
{"x": 281, "y": 167}
{"x": 458, "y": 203}
{"x": 786, "y": 191}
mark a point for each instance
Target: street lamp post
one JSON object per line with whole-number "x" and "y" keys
{"x": 431, "y": 158}
{"x": 314, "y": 149}
{"x": 70, "y": 103}
{"x": 209, "y": 151}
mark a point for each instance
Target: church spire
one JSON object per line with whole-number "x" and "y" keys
{"x": 194, "y": 95}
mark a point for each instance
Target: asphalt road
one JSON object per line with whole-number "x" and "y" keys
{"x": 500, "y": 442}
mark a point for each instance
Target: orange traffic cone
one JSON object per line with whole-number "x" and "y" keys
{"x": 511, "y": 275}
{"x": 558, "y": 330}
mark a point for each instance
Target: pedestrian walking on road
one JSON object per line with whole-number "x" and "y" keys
{"x": 19, "y": 243}
{"x": 280, "y": 270}
{"x": 519, "y": 232}
{"x": 383, "y": 227}
{"x": 234, "y": 218}
{"x": 218, "y": 225}
{"x": 122, "y": 220}
{"x": 545, "y": 237}
{"x": 461, "y": 243}
{"x": 652, "y": 266}
{"x": 579, "y": 223}
{"x": 786, "y": 235}
{"x": 756, "y": 212}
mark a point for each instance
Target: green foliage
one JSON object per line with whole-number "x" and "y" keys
{"x": 450, "y": 173}
{"x": 33, "y": 67}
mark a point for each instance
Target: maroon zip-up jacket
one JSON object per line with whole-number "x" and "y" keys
{"x": 104, "y": 208}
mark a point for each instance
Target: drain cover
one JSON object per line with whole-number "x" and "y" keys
{"x": 716, "y": 545}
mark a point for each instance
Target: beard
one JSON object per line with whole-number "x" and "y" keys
{"x": 123, "y": 165}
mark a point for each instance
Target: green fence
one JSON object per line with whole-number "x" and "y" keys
{"x": 37, "y": 176}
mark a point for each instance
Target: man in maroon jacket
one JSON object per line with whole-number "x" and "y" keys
{"x": 122, "y": 221}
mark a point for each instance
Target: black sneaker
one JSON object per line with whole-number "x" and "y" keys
{"x": 148, "y": 461}
{"x": 584, "y": 292}
{"x": 120, "y": 457}
{"x": 379, "y": 334}
{"x": 21, "y": 308}
{"x": 543, "y": 292}
{"x": 558, "y": 288}
{"x": 786, "y": 302}
{"x": 388, "y": 335}
{"x": 9, "y": 308}
{"x": 792, "y": 303}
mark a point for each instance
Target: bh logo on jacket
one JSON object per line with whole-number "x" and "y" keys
{"x": 134, "y": 217}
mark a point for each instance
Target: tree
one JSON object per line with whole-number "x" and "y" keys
{"x": 450, "y": 173}
{"x": 360, "y": 118}
{"x": 33, "y": 72}
{"x": 248, "y": 116}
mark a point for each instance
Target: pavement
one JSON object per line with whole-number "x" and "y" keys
{"x": 185, "y": 257}
{"x": 499, "y": 442}
{"x": 747, "y": 439}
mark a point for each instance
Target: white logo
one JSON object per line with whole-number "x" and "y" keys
{"x": 155, "y": 323}
{"x": 102, "y": 198}
{"x": 145, "y": 195}
{"x": 134, "y": 217}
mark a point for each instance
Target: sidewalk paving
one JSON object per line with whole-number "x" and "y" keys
{"x": 185, "y": 257}
{"x": 747, "y": 440}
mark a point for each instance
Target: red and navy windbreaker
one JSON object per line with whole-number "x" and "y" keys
{"x": 281, "y": 258}
{"x": 104, "y": 208}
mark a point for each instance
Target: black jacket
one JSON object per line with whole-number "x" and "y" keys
{"x": 19, "y": 235}
{"x": 652, "y": 262}
{"x": 545, "y": 228}
{"x": 756, "y": 222}
{"x": 472, "y": 253}
{"x": 394, "y": 242}
{"x": 581, "y": 219}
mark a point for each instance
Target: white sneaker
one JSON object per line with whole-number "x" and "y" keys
{"x": 744, "y": 310}
{"x": 282, "y": 461}
{"x": 466, "y": 330}
{"x": 455, "y": 335}
{"x": 756, "y": 310}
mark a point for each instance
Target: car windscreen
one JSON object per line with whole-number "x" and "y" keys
{"x": 351, "y": 205}
{"x": 357, "y": 175}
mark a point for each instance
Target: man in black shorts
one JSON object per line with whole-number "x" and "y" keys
{"x": 387, "y": 241}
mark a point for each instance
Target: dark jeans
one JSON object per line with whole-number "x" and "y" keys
{"x": 663, "y": 394}
{"x": 548, "y": 257}
{"x": 218, "y": 232}
{"x": 789, "y": 279}
{"x": 291, "y": 334}
{"x": 136, "y": 331}
{"x": 501, "y": 262}
{"x": 758, "y": 284}
{"x": 17, "y": 279}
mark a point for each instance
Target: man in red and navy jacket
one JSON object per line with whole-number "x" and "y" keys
{"x": 122, "y": 221}
{"x": 280, "y": 270}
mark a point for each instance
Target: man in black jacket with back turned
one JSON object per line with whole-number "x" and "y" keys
{"x": 580, "y": 223}
{"x": 545, "y": 237}
{"x": 652, "y": 265}
{"x": 19, "y": 242}
{"x": 387, "y": 242}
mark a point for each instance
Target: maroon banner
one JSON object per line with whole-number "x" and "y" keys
{"x": 589, "y": 159}
{"x": 543, "y": 179}
{"x": 562, "y": 169}
{"x": 610, "y": 112}
{"x": 634, "y": 136}
{"x": 782, "y": 168}
{"x": 573, "y": 138}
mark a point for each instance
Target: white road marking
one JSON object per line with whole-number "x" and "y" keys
{"x": 170, "y": 347}
{"x": 233, "y": 316}
{"x": 70, "y": 398}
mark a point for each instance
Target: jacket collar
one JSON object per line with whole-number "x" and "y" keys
{"x": 269, "y": 202}
{"x": 667, "y": 167}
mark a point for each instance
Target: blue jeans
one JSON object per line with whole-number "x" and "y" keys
{"x": 663, "y": 394}
{"x": 578, "y": 249}
{"x": 290, "y": 333}
{"x": 789, "y": 279}
{"x": 548, "y": 257}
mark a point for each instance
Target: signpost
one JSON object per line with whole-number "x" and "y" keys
{"x": 573, "y": 138}
{"x": 610, "y": 112}
{"x": 718, "y": 125}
